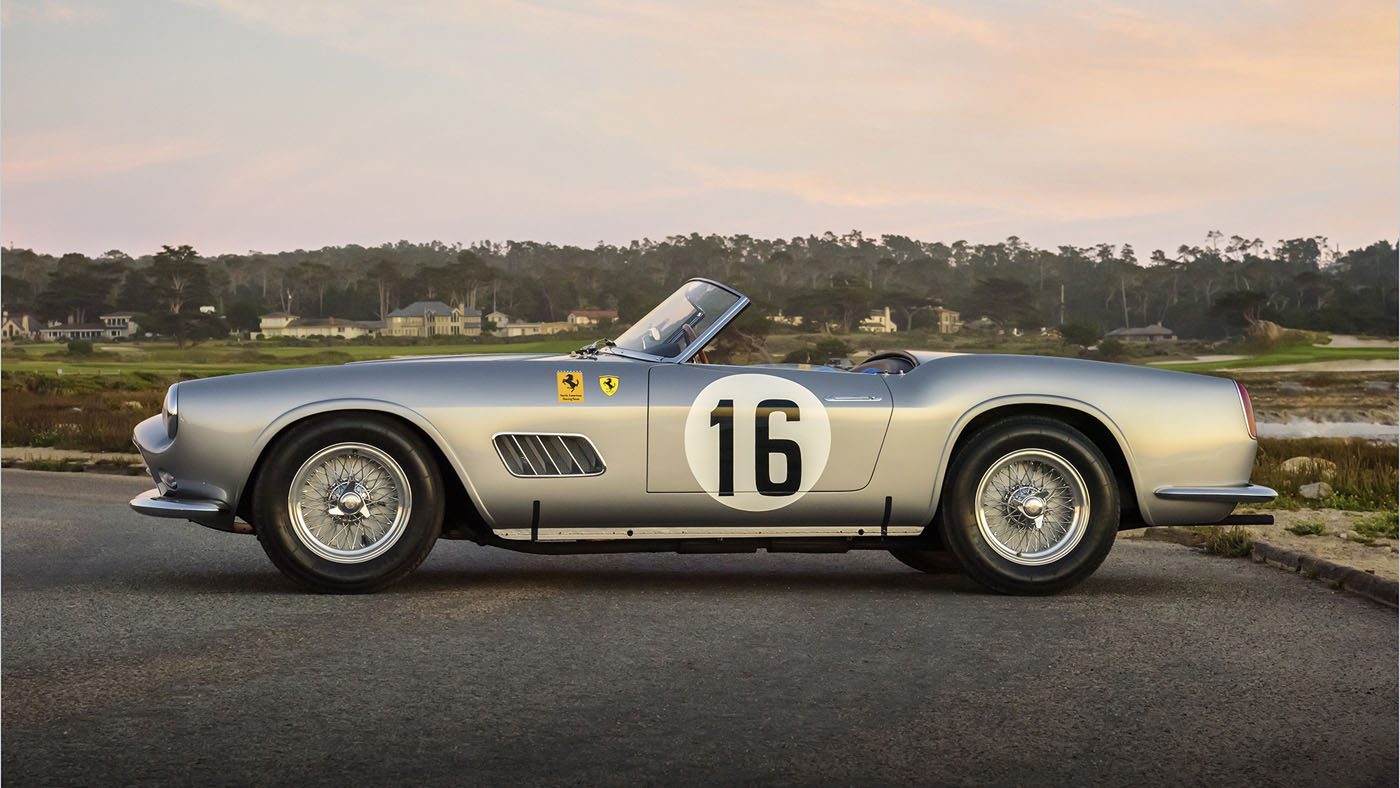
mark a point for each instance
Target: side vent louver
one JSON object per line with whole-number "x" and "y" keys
{"x": 531, "y": 454}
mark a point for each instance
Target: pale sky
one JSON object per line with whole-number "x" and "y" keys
{"x": 272, "y": 124}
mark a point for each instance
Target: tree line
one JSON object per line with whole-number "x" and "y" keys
{"x": 1208, "y": 290}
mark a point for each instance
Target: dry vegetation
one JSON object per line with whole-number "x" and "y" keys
{"x": 99, "y": 421}
{"x": 1366, "y": 476}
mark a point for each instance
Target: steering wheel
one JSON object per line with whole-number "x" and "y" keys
{"x": 689, "y": 332}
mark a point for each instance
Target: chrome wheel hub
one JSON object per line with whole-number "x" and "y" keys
{"x": 349, "y": 503}
{"x": 349, "y": 500}
{"x": 1032, "y": 507}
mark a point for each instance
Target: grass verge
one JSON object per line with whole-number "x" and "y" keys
{"x": 1232, "y": 542}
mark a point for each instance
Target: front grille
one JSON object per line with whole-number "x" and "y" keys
{"x": 531, "y": 454}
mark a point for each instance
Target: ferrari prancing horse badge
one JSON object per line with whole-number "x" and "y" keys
{"x": 570, "y": 386}
{"x": 608, "y": 383}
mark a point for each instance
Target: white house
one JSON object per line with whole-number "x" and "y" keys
{"x": 591, "y": 317}
{"x": 66, "y": 331}
{"x": 498, "y": 319}
{"x": 434, "y": 318}
{"x": 532, "y": 329}
{"x": 1153, "y": 333}
{"x": 281, "y": 324}
{"x": 879, "y": 322}
{"x": 119, "y": 325}
{"x": 18, "y": 326}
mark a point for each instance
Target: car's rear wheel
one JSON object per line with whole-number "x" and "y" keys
{"x": 1030, "y": 507}
{"x": 348, "y": 504}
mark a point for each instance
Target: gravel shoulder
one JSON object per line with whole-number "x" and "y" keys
{"x": 1339, "y": 544}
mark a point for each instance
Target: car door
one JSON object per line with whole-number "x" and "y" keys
{"x": 760, "y": 445}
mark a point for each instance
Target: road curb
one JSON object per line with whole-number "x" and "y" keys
{"x": 1346, "y": 578}
{"x": 1334, "y": 575}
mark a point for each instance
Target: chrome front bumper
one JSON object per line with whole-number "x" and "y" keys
{"x": 1244, "y": 493}
{"x": 212, "y": 514}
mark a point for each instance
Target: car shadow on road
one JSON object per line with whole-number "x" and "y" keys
{"x": 629, "y": 579}
{"x": 612, "y": 579}
{"x": 649, "y": 580}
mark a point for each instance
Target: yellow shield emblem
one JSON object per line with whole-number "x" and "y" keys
{"x": 570, "y": 386}
{"x": 609, "y": 384}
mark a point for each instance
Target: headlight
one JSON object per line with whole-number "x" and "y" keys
{"x": 170, "y": 412}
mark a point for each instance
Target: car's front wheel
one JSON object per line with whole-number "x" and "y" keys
{"x": 348, "y": 504}
{"x": 1030, "y": 507}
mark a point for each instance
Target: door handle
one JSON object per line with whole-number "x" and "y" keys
{"x": 856, "y": 398}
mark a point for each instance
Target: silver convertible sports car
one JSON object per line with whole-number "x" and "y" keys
{"x": 1017, "y": 470}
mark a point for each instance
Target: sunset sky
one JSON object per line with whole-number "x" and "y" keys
{"x": 236, "y": 125}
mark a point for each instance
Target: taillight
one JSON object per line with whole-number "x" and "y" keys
{"x": 1248, "y": 410}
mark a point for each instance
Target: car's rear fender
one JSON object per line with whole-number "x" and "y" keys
{"x": 1093, "y": 422}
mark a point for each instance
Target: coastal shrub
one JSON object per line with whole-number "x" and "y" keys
{"x": 1233, "y": 542}
{"x": 1366, "y": 477}
{"x": 1307, "y": 528}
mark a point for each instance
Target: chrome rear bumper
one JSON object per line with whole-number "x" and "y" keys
{"x": 1244, "y": 493}
{"x": 205, "y": 512}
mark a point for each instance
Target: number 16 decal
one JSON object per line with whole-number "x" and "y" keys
{"x": 757, "y": 442}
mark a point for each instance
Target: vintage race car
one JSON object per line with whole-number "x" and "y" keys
{"x": 1018, "y": 470}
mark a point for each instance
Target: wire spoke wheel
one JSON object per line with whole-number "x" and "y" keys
{"x": 1032, "y": 507}
{"x": 349, "y": 503}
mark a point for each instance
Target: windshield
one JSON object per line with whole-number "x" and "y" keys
{"x": 675, "y": 323}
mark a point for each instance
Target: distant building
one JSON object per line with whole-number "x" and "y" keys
{"x": 18, "y": 325}
{"x": 946, "y": 321}
{"x": 1153, "y": 333}
{"x": 786, "y": 320}
{"x": 119, "y": 325}
{"x": 66, "y": 331}
{"x": 591, "y": 317}
{"x": 433, "y": 318}
{"x": 284, "y": 324}
{"x": 281, "y": 324}
{"x": 879, "y": 322}
{"x": 514, "y": 329}
{"x": 273, "y": 322}
{"x": 498, "y": 319}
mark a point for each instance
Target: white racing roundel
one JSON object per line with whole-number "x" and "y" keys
{"x": 757, "y": 442}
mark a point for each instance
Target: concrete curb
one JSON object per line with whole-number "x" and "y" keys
{"x": 1353, "y": 581}
{"x": 1333, "y": 575}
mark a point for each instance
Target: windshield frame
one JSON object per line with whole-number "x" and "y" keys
{"x": 702, "y": 339}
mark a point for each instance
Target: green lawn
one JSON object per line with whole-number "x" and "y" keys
{"x": 1303, "y": 354}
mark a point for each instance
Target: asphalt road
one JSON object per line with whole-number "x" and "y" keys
{"x": 145, "y": 651}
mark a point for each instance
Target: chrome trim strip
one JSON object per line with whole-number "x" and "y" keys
{"x": 523, "y": 456}
{"x": 574, "y": 459}
{"x": 545, "y": 451}
{"x": 1245, "y": 493}
{"x": 201, "y": 510}
{"x": 855, "y": 398}
{"x": 702, "y": 532}
{"x": 514, "y": 436}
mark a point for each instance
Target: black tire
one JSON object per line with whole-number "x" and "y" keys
{"x": 295, "y": 557}
{"x": 933, "y": 562}
{"x": 983, "y": 561}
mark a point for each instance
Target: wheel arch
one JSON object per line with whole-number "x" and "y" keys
{"x": 461, "y": 505}
{"x": 1094, "y": 423}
